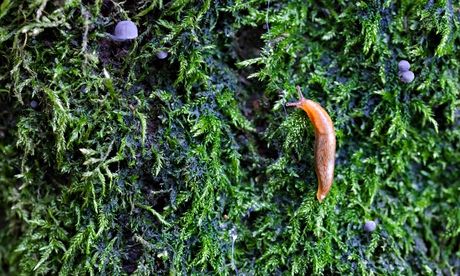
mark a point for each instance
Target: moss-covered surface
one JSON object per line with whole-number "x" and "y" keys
{"x": 191, "y": 164}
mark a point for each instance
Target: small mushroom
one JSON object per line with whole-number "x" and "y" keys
{"x": 125, "y": 30}
{"x": 406, "y": 76}
{"x": 370, "y": 226}
{"x": 162, "y": 54}
{"x": 33, "y": 104}
{"x": 403, "y": 66}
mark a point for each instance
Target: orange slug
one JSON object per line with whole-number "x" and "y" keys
{"x": 324, "y": 143}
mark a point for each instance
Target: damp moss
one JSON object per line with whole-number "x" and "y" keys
{"x": 191, "y": 164}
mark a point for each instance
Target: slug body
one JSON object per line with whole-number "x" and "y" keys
{"x": 325, "y": 143}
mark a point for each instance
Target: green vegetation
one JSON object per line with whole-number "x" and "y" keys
{"x": 192, "y": 165}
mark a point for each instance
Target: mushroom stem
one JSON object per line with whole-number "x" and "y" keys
{"x": 114, "y": 37}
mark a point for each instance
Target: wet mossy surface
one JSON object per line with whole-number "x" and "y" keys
{"x": 113, "y": 161}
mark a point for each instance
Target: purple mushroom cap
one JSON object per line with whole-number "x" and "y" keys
{"x": 403, "y": 66}
{"x": 370, "y": 226}
{"x": 162, "y": 55}
{"x": 406, "y": 76}
{"x": 125, "y": 30}
{"x": 33, "y": 104}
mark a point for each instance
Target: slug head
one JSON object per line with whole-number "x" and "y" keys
{"x": 301, "y": 100}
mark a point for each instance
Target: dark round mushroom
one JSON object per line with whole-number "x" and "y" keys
{"x": 124, "y": 30}
{"x": 406, "y": 76}
{"x": 370, "y": 226}
{"x": 403, "y": 66}
{"x": 33, "y": 104}
{"x": 162, "y": 54}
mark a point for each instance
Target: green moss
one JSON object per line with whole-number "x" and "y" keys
{"x": 192, "y": 164}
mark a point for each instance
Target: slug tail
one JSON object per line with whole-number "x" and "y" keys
{"x": 320, "y": 196}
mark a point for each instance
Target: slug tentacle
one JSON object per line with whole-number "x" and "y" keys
{"x": 301, "y": 98}
{"x": 325, "y": 142}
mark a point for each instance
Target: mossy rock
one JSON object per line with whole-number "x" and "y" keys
{"x": 128, "y": 163}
